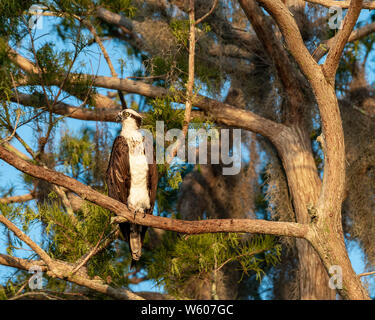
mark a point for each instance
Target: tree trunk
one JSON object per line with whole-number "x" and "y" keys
{"x": 304, "y": 187}
{"x": 328, "y": 239}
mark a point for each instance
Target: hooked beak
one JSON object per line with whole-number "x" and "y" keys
{"x": 118, "y": 118}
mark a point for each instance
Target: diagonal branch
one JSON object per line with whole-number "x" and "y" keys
{"x": 331, "y": 64}
{"x": 99, "y": 100}
{"x": 342, "y": 4}
{"x": 79, "y": 113}
{"x": 278, "y": 54}
{"x": 22, "y": 236}
{"x": 120, "y": 209}
{"x": 357, "y": 34}
{"x": 63, "y": 270}
{"x": 292, "y": 35}
{"x": 220, "y": 111}
{"x": 200, "y": 20}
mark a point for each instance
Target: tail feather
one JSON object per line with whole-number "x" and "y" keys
{"x": 135, "y": 241}
{"x": 134, "y": 235}
{"x": 133, "y": 264}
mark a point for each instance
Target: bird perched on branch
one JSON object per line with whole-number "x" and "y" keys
{"x": 130, "y": 179}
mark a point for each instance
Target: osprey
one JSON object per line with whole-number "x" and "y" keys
{"x": 130, "y": 179}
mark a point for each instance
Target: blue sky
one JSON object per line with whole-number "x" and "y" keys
{"x": 10, "y": 176}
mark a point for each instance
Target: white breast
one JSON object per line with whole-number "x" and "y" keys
{"x": 138, "y": 199}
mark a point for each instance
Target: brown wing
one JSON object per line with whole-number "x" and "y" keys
{"x": 152, "y": 183}
{"x": 118, "y": 177}
{"x": 118, "y": 172}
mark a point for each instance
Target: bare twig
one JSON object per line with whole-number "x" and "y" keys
{"x": 106, "y": 57}
{"x": 87, "y": 258}
{"x": 22, "y": 236}
{"x": 22, "y": 198}
{"x": 366, "y": 274}
{"x": 208, "y": 13}
{"x": 190, "y": 83}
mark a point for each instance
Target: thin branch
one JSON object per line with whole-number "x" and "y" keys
{"x": 37, "y": 295}
{"x": 190, "y": 83}
{"x": 21, "y": 288}
{"x": 87, "y": 258}
{"x": 65, "y": 201}
{"x": 14, "y": 129}
{"x": 22, "y": 236}
{"x": 106, "y": 57}
{"x": 15, "y": 199}
{"x": 62, "y": 270}
{"x": 334, "y": 55}
{"x": 200, "y": 20}
{"x": 357, "y": 34}
{"x": 366, "y": 274}
{"x": 101, "y": 46}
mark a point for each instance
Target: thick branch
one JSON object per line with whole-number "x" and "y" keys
{"x": 341, "y": 4}
{"x": 79, "y": 113}
{"x": 188, "y": 227}
{"x": 19, "y": 263}
{"x": 61, "y": 108}
{"x": 278, "y": 54}
{"x": 220, "y": 111}
{"x": 63, "y": 270}
{"x": 357, "y": 34}
{"x": 99, "y": 100}
{"x": 334, "y": 54}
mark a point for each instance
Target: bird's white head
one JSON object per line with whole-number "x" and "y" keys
{"x": 129, "y": 117}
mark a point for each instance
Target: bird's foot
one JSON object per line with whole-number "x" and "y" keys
{"x": 139, "y": 211}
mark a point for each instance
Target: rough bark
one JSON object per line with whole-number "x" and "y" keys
{"x": 304, "y": 187}
{"x": 188, "y": 227}
{"x": 294, "y": 148}
{"x": 328, "y": 205}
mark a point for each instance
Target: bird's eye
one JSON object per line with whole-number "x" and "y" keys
{"x": 127, "y": 114}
